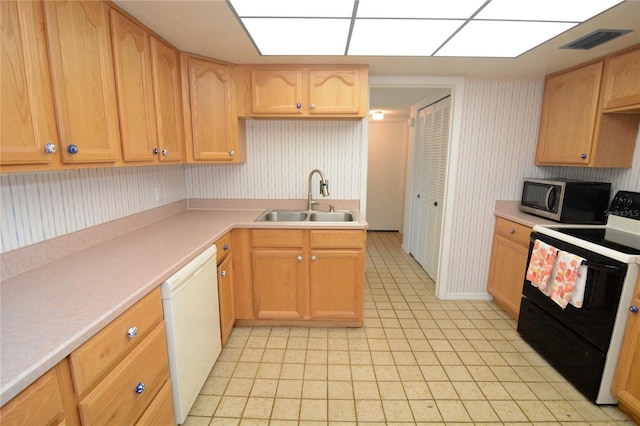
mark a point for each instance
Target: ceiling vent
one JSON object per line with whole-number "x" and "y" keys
{"x": 594, "y": 39}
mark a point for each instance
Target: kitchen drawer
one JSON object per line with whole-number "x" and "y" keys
{"x": 223, "y": 245}
{"x": 115, "y": 400}
{"x": 160, "y": 412}
{"x": 337, "y": 239}
{"x": 92, "y": 359}
{"x": 277, "y": 238}
{"x": 40, "y": 403}
{"x": 513, "y": 231}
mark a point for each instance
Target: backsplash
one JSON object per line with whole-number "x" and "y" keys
{"x": 280, "y": 155}
{"x": 39, "y": 206}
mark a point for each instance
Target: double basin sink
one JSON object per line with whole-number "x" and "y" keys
{"x": 306, "y": 216}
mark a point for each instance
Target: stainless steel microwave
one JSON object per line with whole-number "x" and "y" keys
{"x": 566, "y": 200}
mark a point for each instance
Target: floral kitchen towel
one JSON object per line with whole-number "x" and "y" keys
{"x": 568, "y": 278}
{"x": 540, "y": 267}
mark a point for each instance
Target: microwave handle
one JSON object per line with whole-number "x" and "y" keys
{"x": 546, "y": 200}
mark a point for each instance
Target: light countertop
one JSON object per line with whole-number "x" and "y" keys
{"x": 49, "y": 311}
{"x": 509, "y": 209}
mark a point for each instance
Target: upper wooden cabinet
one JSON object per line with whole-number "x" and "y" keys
{"x": 83, "y": 81}
{"x": 132, "y": 61}
{"x": 574, "y": 130}
{"x": 27, "y": 116}
{"x": 165, "y": 67}
{"x": 621, "y": 91}
{"x": 212, "y": 130}
{"x": 310, "y": 91}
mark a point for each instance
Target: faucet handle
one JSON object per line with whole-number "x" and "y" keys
{"x": 332, "y": 208}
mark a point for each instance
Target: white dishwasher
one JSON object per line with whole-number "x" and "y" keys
{"x": 191, "y": 314}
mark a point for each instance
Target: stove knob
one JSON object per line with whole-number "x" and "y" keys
{"x": 633, "y": 309}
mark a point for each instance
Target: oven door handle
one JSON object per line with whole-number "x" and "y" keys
{"x": 602, "y": 266}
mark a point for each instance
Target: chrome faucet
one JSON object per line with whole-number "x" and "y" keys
{"x": 324, "y": 188}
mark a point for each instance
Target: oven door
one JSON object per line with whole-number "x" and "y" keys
{"x": 605, "y": 278}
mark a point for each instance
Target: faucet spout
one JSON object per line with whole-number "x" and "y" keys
{"x": 324, "y": 188}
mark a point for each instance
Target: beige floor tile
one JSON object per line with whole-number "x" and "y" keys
{"x": 409, "y": 372}
{"x": 340, "y": 389}
{"x": 369, "y": 411}
{"x": 269, "y": 370}
{"x": 452, "y": 411}
{"x": 365, "y": 390}
{"x": 404, "y": 358}
{"x": 338, "y": 357}
{"x": 481, "y": 373}
{"x": 468, "y": 391}
{"x": 292, "y": 371}
{"x": 315, "y": 372}
{"x": 258, "y": 408}
{"x": 480, "y": 411}
{"x": 442, "y": 390}
{"x": 433, "y": 373}
{"x": 339, "y": 372}
{"x": 425, "y": 411}
{"x": 231, "y": 406}
{"x": 494, "y": 390}
{"x": 295, "y": 356}
{"x": 313, "y": 409}
{"x": 264, "y": 388}
{"x": 205, "y": 405}
{"x": 362, "y": 372}
{"x": 457, "y": 373}
{"x": 251, "y": 355}
{"x": 273, "y": 356}
{"x": 536, "y": 411}
{"x": 563, "y": 411}
{"x": 239, "y": 387}
{"x": 317, "y": 356}
{"x": 342, "y": 410}
{"x": 197, "y": 421}
{"x": 397, "y": 410}
{"x": 417, "y": 390}
{"x": 508, "y": 411}
{"x": 391, "y": 390}
{"x": 215, "y": 385}
{"x": 314, "y": 389}
{"x": 247, "y": 370}
{"x": 289, "y": 389}
{"x": 382, "y": 358}
{"x": 222, "y": 421}
{"x": 519, "y": 391}
{"x": 223, "y": 369}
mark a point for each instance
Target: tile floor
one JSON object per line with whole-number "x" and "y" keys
{"x": 417, "y": 360}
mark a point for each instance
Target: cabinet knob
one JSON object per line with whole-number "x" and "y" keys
{"x": 156, "y": 151}
{"x": 299, "y": 258}
{"x": 583, "y": 156}
{"x": 232, "y": 153}
{"x": 312, "y": 106}
{"x": 223, "y": 273}
{"x": 298, "y": 105}
{"x": 140, "y": 388}
{"x": 73, "y": 149}
{"x": 50, "y": 148}
{"x": 633, "y": 309}
{"x": 313, "y": 258}
{"x": 165, "y": 152}
{"x": 435, "y": 204}
{"x": 512, "y": 231}
{"x": 225, "y": 247}
{"x": 132, "y": 332}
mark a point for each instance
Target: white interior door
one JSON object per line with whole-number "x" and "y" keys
{"x": 429, "y": 182}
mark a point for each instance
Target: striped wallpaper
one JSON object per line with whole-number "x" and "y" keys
{"x": 498, "y": 143}
{"x": 39, "y": 206}
{"x": 280, "y": 156}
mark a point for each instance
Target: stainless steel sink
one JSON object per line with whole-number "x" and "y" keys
{"x": 331, "y": 217}
{"x": 282, "y": 216}
{"x": 306, "y": 216}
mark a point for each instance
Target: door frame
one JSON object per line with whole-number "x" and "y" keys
{"x": 456, "y": 85}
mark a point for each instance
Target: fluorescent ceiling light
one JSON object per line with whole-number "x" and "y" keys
{"x": 471, "y": 28}
{"x": 506, "y": 39}
{"x": 447, "y": 9}
{"x": 399, "y": 37}
{"x": 278, "y": 36}
{"x": 545, "y": 10}
{"x": 294, "y": 8}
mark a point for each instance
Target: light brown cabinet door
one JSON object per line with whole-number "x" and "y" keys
{"x": 336, "y": 283}
{"x": 27, "y": 116}
{"x": 132, "y": 61}
{"x": 83, "y": 82}
{"x": 225, "y": 295}
{"x": 165, "y": 68}
{"x": 335, "y": 91}
{"x": 278, "y": 283}
{"x": 567, "y": 123}
{"x": 214, "y": 126}
{"x": 622, "y": 81}
{"x": 277, "y": 91}
{"x": 626, "y": 383}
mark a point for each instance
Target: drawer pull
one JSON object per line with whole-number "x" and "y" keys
{"x": 223, "y": 273}
{"x": 132, "y": 332}
{"x": 226, "y": 246}
{"x": 313, "y": 258}
{"x": 633, "y": 309}
{"x": 299, "y": 258}
{"x": 512, "y": 231}
{"x": 50, "y": 148}
{"x": 140, "y": 388}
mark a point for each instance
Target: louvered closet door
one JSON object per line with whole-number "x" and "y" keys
{"x": 419, "y": 204}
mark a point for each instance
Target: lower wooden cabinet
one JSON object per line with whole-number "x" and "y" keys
{"x": 626, "y": 382}
{"x": 225, "y": 287}
{"x": 302, "y": 275}
{"x": 508, "y": 264}
{"x": 47, "y": 401}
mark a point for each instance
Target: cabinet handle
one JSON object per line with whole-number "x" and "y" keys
{"x": 223, "y": 273}
{"x": 312, "y": 106}
{"x": 633, "y": 309}
{"x": 50, "y": 148}
{"x": 435, "y": 204}
{"x": 225, "y": 247}
{"x": 232, "y": 153}
{"x": 298, "y": 105}
{"x": 299, "y": 258}
{"x": 165, "y": 152}
{"x": 313, "y": 258}
{"x": 156, "y": 151}
{"x": 132, "y": 332}
{"x": 140, "y": 388}
{"x": 512, "y": 231}
{"x": 583, "y": 156}
{"x": 73, "y": 149}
